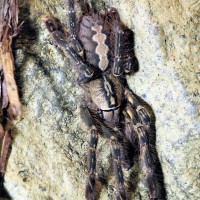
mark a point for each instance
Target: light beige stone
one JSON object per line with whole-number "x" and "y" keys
{"x": 48, "y": 157}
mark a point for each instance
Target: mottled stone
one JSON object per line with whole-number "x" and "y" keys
{"x": 49, "y": 152}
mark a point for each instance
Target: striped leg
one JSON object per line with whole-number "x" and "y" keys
{"x": 87, "y": 71}
{"x": 141, "y": 114}
{"x": 116, "y": 37}
{"x": 140, "y": 125}
{"x": 114, "y": 135}
{"x": 123, "y": 48}
{"x": 73, "y": 30}
{"x": 116, "y": 156}
{"x": 90, "y": 184}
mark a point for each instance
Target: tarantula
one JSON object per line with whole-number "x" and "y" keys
{"x": 102, "y": 48}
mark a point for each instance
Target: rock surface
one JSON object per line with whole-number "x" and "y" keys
{"x": 49, "y": 152}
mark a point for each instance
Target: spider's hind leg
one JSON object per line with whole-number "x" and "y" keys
{"x": 91, "y": 182}
{"x": 115, "y": 136}
{"x": 140, "y": 122}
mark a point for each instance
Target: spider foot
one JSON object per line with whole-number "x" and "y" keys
{"x": 90, "y": 187}
{"x": 76, "y": 45}
{"x": 116, "y": 155}
{"x": 121, "y": 195}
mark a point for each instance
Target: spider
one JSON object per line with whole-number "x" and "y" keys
{"x": 102, "y": 48}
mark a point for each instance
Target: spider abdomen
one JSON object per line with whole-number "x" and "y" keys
{"x": 95, "y": 41}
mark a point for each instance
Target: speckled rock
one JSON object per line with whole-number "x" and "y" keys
{"x": 48, "y": 157}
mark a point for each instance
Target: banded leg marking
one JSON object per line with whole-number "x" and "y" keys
{"x": 140, "y": 125}
{"x": 140, "y": 110}
{"x": 59, "y": 37}
{"x": 91, "y": 182}
{"x": 118, "y": 63}
{"x": 147, "y": 160}
{"x": 73, "y": 30}
{"x": 90, "y": 185}
{"x": 116, "y": 155}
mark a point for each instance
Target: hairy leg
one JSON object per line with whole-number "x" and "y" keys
{"x": 113, "y": 134}
{"x": 119, "y": 177}
{"x": 87, "y": 72}
{"x": 73, "y": 29}
{"x": 139, "y": 122}
{"x": 90, "y": 184}
{"x": 124, "y": 59}
{"x": 90, "y": 192}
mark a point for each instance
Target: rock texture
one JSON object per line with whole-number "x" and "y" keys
{"x": 48, "y": 157}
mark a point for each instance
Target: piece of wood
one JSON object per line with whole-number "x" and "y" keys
{"x": 8, "y": 28}
{"x": 10, "y": 102}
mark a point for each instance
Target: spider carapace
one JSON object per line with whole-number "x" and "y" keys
{"x": 103, "y": 50}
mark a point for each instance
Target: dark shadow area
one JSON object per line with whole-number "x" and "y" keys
{"x": 26, "y": 38}
{"x": 5, "y": 122}
{"x": 3, "y": 192}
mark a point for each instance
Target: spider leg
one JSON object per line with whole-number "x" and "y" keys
{"x": 140, "y": 119}
{"x": 110, "y": 131}
{"x": 90, "y": 185}
{"x": 87, "y": 71}
{"x": 141, "y": 111}
{"x": 119, "y": 177}
{"x": 114, "y": 135}
{"x": 124, "y": 59}
{"x": 116, "y": 37}
{"x": 91, "y": 182}
{"x": 73, "y": 29}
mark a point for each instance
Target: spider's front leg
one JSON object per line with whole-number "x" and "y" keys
{"x": 73, "y": 47}
{"x": 87, "y": 72}
{"x": 116, "y": 156}
{"x": 138, "y": 122}
{"x": 114, "y": 135}
{"x": 91, "y": 181}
